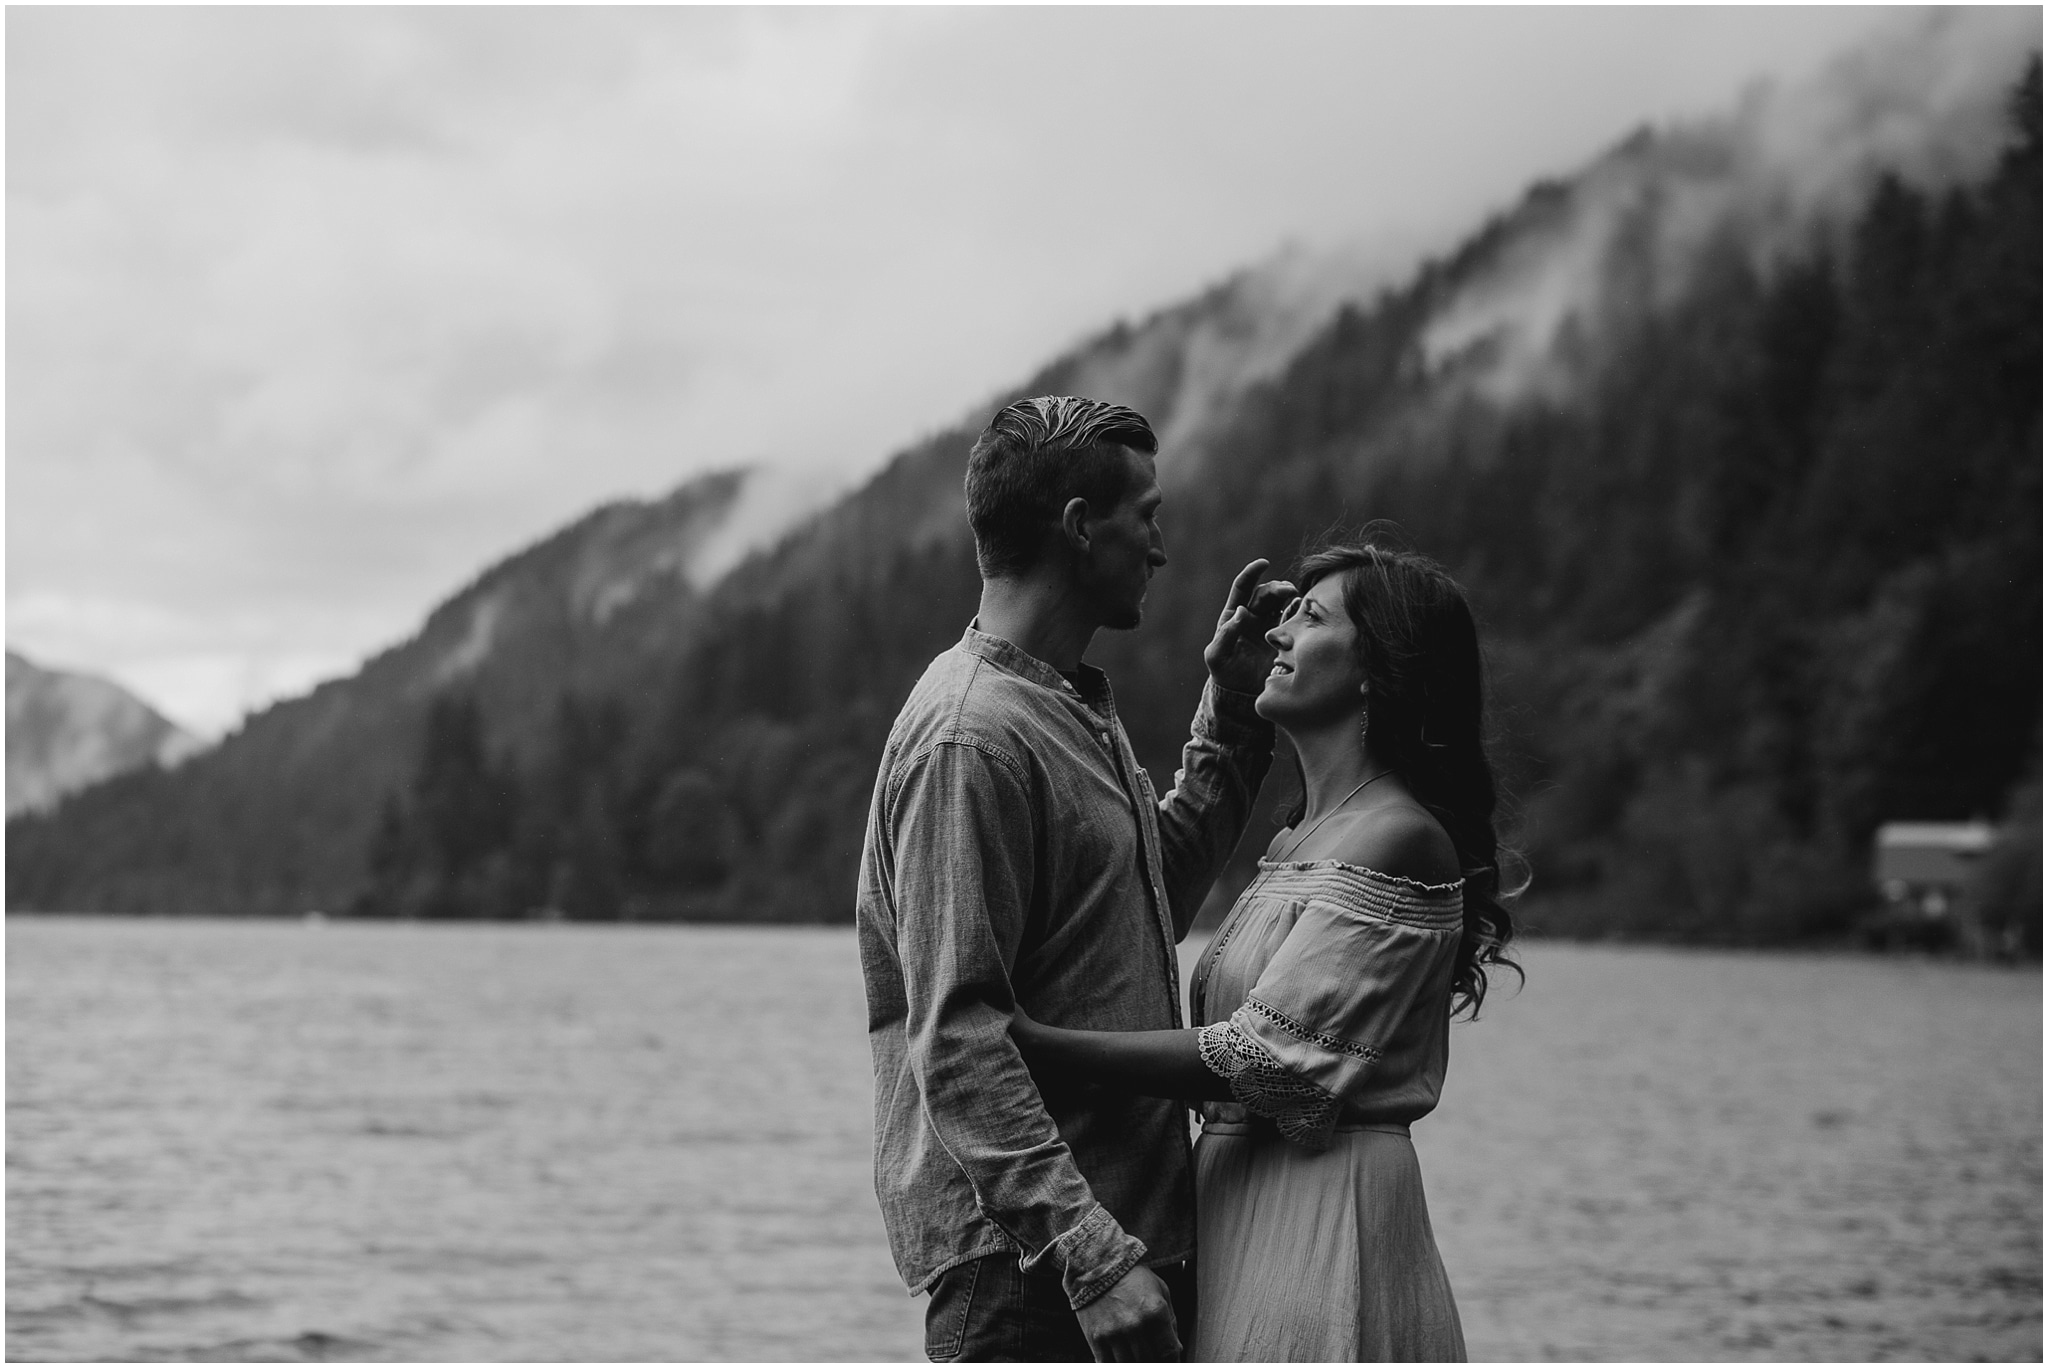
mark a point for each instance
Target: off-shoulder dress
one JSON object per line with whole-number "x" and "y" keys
{"x": 1324, "y": 1000}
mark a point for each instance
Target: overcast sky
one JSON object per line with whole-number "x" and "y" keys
{"x": 313, "y": 313}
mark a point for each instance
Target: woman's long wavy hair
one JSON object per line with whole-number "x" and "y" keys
{"x": 1425, "y": 717}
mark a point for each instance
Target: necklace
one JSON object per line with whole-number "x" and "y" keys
{"x": 1328, "y": 815}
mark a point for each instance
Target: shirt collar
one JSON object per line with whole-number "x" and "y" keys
{"x": 1094, "y": 684}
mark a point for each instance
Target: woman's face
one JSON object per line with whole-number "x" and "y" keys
{"x": 1316, "y": 677}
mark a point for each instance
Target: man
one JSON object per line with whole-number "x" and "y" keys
{"x": 1017, "y": 855}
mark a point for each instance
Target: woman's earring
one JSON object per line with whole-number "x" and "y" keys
{"x": 1364, "y": 726}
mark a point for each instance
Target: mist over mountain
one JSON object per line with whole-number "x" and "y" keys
{"x": 68, "y": 731}
{"x": 1734, "y": 438}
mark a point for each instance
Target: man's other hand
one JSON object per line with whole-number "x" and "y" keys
{"x": 1238, "y": 656}
{"x": 1132, "y": 1322}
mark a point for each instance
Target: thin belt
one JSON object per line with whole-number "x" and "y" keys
{"x": 1259, "y": 1125}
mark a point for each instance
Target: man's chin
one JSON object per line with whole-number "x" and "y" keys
{"x": 1125, "y": 619}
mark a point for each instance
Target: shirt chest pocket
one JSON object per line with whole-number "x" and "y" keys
{"x": 1091, "y": 840}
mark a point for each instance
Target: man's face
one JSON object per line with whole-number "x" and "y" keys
{"x": 1125, "y": 546}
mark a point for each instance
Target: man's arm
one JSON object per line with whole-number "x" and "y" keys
{"x": 1228, "y": 750}
{"x": 962, "y": 823}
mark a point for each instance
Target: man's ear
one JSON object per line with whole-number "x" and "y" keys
{"x": 1074, "y": 524}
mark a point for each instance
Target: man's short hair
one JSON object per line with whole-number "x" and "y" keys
{"x": 1032, "y": 458}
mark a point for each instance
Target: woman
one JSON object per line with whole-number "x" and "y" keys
{"x": 1323, "y": 1004}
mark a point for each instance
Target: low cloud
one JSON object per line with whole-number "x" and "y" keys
{"x": 1926, "y": 100}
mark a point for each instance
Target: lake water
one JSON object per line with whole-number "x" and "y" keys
{"x": 274, "y": 1141}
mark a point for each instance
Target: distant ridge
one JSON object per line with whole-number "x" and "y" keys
{"x": 67, "y": 731}
{"x": 276, "y": 817}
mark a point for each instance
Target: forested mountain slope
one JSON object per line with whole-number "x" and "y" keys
{"x": 1760, "y": 564}
{"x": 1738, "y": 455}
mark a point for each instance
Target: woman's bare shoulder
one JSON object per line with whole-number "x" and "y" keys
{"x": 1401, "y": 839}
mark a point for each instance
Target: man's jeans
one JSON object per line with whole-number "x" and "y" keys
{"x": 989, "y": 1309}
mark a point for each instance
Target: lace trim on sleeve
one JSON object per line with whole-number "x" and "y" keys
{"x": 1303, "y": 1112}
{"x": 1310, "y": 1036}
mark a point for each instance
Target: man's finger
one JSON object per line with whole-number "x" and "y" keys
{"x": 1241, "y": 587}
{"x": 1271, "y": 598}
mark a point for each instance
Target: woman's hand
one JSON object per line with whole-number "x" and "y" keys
{"x": 1238, "y": 656}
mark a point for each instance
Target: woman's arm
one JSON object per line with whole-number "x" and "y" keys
{"x": 1154, "y": 1063}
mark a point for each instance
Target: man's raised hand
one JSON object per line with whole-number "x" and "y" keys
{"x": 1238, "y": 656}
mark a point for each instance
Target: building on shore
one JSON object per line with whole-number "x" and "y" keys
{"x": 1928, "y": 874}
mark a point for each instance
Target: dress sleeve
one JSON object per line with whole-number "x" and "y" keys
{"x": 1309, "y": 1034}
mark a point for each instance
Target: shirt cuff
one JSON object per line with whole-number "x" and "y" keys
{"x": 1092, "y": 1256}
{"x": 1230, "y": 719}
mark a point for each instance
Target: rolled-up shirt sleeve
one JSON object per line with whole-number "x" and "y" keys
{"x": 961, "y": 823}
{"x": 1310, "y": 1032}
{"x": 1228, "y": 751}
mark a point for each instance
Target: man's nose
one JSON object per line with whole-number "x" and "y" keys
{"x": 1158, "y": 555}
